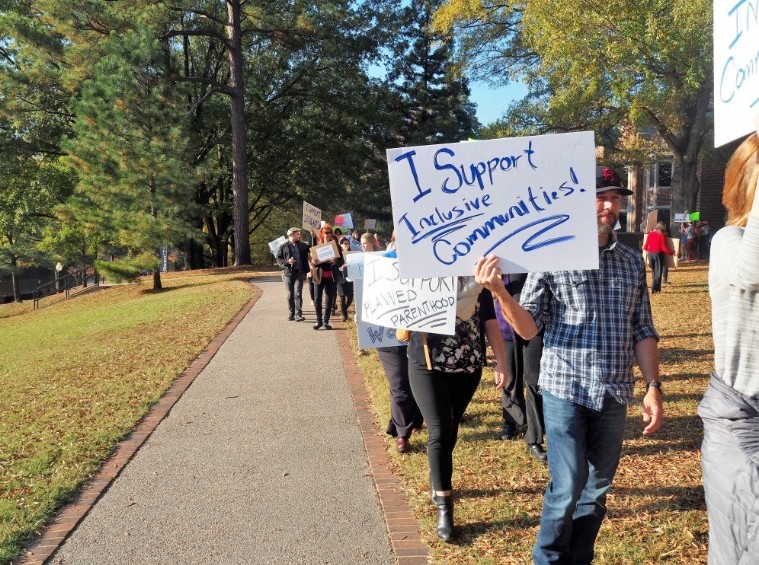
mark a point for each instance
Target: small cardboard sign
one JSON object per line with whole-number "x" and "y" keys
{"x": 421, "y": 304}
{"x": 312, "y": 217}
{"x": 324, "y": 252}
{"x": 651, "y": 220}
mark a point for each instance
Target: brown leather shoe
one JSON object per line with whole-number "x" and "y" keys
{"x": 402, "y": 445}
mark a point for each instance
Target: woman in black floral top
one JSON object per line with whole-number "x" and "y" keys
{"x": 444, "y": 379}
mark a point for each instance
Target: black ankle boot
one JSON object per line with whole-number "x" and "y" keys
{"x": 444, "y": 517}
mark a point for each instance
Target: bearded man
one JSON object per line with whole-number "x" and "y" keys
{"x": 595, "y": 323}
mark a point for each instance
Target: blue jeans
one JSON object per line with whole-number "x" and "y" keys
{"x": 584, "y": 447}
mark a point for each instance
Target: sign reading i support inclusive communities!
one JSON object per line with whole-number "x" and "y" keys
{"x": 421, "y": 304}
{"x": 529, "y": 200}
{"x": 736, "y": 68}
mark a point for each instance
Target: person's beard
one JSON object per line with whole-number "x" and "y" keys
{"x": 606, "y": 228}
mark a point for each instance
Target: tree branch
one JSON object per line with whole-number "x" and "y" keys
{"x": 200, "y": 13}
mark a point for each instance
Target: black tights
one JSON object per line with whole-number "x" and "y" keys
{"x": 328, "y": 288}
{"x": 442, "y": 398}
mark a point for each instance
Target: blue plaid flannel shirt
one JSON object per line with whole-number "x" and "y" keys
{"x": 592, "y": 320}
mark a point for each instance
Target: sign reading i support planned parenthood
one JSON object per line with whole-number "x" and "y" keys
{"x": 736, "y": 68}
{"x": 370, "y": 336}
{"x": 422, "y": 304}
{"x": 529, "y": 200}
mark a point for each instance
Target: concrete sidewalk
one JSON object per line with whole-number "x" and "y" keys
{"x": 262, "y": 459}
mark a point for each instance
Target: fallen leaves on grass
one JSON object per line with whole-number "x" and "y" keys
{"x": 656, "y": 509}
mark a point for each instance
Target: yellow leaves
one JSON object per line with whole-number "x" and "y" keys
{"x": 454, "y": 12}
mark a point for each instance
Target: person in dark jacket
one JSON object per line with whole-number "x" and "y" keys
{"x": 292, "y": 257}
{"x": 521, "y": 399}
{"x": 325, "y": 277}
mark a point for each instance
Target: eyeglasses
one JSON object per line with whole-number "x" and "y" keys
{"x": 327, "y": 233}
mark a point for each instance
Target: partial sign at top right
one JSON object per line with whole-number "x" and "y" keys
{"x": 736, "y": 68}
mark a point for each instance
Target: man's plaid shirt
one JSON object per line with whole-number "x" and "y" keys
{"x": 592, "y": 319}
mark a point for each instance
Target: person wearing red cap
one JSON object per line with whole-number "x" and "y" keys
{"x": 595, "y": 324}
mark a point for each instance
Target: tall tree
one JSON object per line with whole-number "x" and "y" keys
{"x": 130, "y": 147}
{"x": 643, "y": 64}
{"x": 30, "y": 189}
{"x": 435, "y": 105}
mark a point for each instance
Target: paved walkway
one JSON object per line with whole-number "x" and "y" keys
{"x": 264, "y": 451}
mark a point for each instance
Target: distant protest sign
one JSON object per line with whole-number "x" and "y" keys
{"x": 736, "y": 68}
{"x": 355, "y": 269}
{"x": 276, "y": 244}
{"x": 312, "y": 217}
{"x": 344, "y": 221}
{"x": 530, "y": 201}
{"x": 422, "y": 304}
{"x": 651, "y": 220}
{"x": 370, "y": 224}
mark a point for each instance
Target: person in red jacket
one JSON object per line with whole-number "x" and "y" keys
{"x": 656, "y": 246}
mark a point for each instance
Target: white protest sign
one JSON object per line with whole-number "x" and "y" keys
{"x": 355, "y": 269}
{"x": 736, "y": 68}
{"x": 276, "y": 244}
{"x": 421, "y": 304}
{"x": 312, "y": 217}
{"x": 371, "y": 336}
{"x": 370, "y": 224}
{"x": 680, "y": 218}
{"x": 530, "y": 201}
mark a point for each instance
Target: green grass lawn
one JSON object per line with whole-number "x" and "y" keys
{"x": 656, "y": 511}
{"x": 77, "y": 375}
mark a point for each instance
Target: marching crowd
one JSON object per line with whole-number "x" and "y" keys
{"x": 565, "y": 344}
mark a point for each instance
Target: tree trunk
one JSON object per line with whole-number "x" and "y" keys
{"x": 239, "y": 136}
{"x": 14, "y": 280}
{"x": 157, "y": 280}
{"x": 193, "y": 255}
{"x": 686, "y": 149}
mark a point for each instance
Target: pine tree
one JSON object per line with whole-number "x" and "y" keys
{"x": 435, "y": 105}
{"x": 130, "y": 149}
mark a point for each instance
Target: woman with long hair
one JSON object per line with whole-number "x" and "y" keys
{"x": 325, "y": 280}
{"x": 730, "y": 407}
